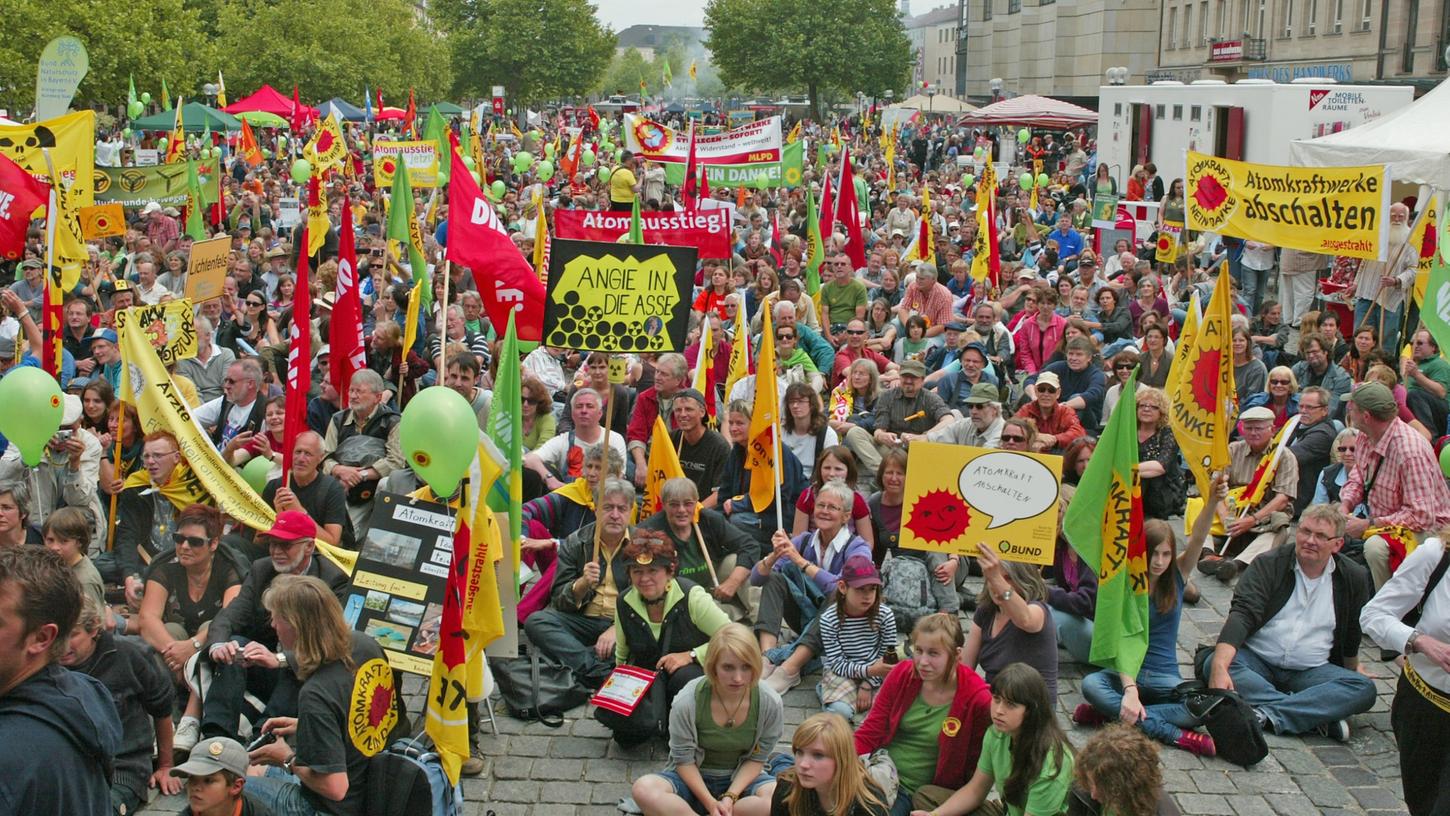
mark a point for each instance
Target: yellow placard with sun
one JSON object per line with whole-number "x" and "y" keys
{"x": 960, "y": 498}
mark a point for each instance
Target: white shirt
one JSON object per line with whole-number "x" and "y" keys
{"x": 804, "y": 445}
{"x": 207, "y": 415}
{"x": 1302, "y": 633}
{"x": 1381, "y": 616}
{"x": 555, "y": 452}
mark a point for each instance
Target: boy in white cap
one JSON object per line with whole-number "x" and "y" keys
{"x": 215, "y": 774}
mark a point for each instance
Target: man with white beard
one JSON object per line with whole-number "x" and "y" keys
{"x": 1380, "y": 286}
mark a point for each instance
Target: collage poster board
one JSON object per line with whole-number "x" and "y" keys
{"x": 959, "y": 498}
{"x": 401, "y": 574}
{"x": 618, "y": 298}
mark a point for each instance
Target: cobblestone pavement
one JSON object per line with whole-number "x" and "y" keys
{"x": 576, "y": 770}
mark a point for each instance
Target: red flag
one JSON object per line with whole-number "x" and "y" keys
{"x": 477, "y": 240}
{"x": 299, "y": 362}
{"x": 20, "y": 196}
{"x": 410, "y": 119}
{"x": 344, "y": 333}
{"x": 848, "y": 213}
{"x": 687, "y": 190}
{"x": 704, "y": 186}
{"x": 570, "y": 162}
{"x": 776, "y": 233}
{"x": 828, "y": 209}
{"x": 593, "y": 118}
{"x": 299, "y": 117}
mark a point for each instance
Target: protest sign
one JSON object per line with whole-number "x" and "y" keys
{"x": 420, "y": 156}
{"x": 208, "y": 269}
{"x": 63, "y": 64}
{"x": 102, "y": 221}
{"x": 289, "y": 212}
{"x": 1328, "y": 210}
{"x": 1105, "y": 211}
{"x": 707, "y": 230}
{"x": 164, "y": 183}
{"x": 752, "y": 143}
{"x": 71, "y": 141}
{"x": 960, "y": 498}
{"x": 147, "y": 157}
{"x": 397, "y": 587}
{"x": 618, "y": 297}
{"x": 170, "y": 327}
{"x": 1426, "y": 238}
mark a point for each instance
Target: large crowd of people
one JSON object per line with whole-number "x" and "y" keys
{"x": 147, "y": 638}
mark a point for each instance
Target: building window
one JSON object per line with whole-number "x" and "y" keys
{"x": 1288, "y": 19}
{"x": 1158, "y": 111}
{"x": 1195, "y": 113}
{"x": 1117, "y": 109}
{"x": 1311, "y": 17}
{"x": 987, "y": 9}
{"x": 1172, "y": 38}
{"x": 1178, "y": 113}
{"x": 1202, "y": 23}
{"x": 1412, "y": 22}
{"x": 1338, "y": 24}
{"x": 1366, "y": 14}
{"x": 1259, "y": 24}
{"x": 1046, "y": 2}
{"x": 1014, "y": 6}
{"x": 1188, "y": 26}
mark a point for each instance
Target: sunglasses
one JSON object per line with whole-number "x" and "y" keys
{"x": 855, "y": 331}
{"x": 785, "y": 337}
{"x": 191, "y": 541}
{"x": 1124, "y": 366}
{"x": 1006, "y": 438}
{"x": 1345, "y": 449}
{"x": 1047, "y": 388}
{"x": 1279, "y": 382}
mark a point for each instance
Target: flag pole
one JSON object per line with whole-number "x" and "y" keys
{"x": 443, "y": 315}
{"x": 779, "y": 471}
{"x": 599, "y": 492}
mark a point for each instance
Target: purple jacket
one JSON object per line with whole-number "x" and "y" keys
{"x": 829, "y": 574}
{"x": 1074, "y": 586}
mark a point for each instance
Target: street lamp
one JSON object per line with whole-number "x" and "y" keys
{"x": 210, "y": 89}
{"x": 995, "y": 83}
{"x": 889, "y": 94}
{"x": 1117, "y": 76}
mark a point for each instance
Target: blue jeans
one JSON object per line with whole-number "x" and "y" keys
{"x": 717, "y": 782}
{"x": 902, "y": 805}
{"x": 1165, "y": 719}
{"x": 1296, "y": 701}
{"x": 281, "y": 792}
{"x": 1254, "y": 283}
{"x": 1370, "y": 311}
{"x": 1074, "y": 633}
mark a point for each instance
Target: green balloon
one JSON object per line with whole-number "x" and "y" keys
{"x": 126, "y": 133}
{"x": 619, "y": 154}
{"x": 1025, "y": 181}
{"x": 1444, "y": 458}
{"x": 607, "y": 146}
{"x": 1024, "y": 135}
{"x": 1043, "y": 180}
{"x": 546, "y": 170}
{"x": 255, "y": 471}
{"x": 523, "y": 160}
{"x": 587, "y": 158}
{"x": 602, "y": 174}
{"x": 536, "y": 134}
{"x": 30, "y": 411}
{"x": 468, "y": 162}
{"x": 135, "y": 109}
{"x": 301, "y": 170}
{"x": 978, "y": 153}
{"x": 438, "y": 435}
{"x": 968, "y": 180}
{"x": 477, "y": 179}
{"x": 549, "y": 149}
{"x": 498, "y": 188}
{"x": 146, "y": 97}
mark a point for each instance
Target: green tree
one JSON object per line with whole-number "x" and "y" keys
{"x": 817, "y": 46}
{"x": 536, "y": 49}
{"x": 149, "y": 38}
{"x": 332, "y": 48}
{"x": 625, "y": 71}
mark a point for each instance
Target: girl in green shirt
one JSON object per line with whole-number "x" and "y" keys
{"x": 1025, "y": 754}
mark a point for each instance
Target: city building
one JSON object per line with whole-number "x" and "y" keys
{"x": 934, "y": 46}
{"x": 1396, "y": 41}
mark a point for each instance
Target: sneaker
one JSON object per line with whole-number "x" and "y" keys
{"x": 1208, "y": 564}
{"x": 188, "y": 734}
{"x": 782, "y": 680}
{"x": 1227, "y": 571}
{"x": 1195, "y": 743}
{"x": 1337, "y": 730}
{"x": 767, "y": 670}
{"x": 473, "y": 766}
{"x": 1085, "y": 714}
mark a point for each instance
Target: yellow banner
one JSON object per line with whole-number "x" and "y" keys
{"x": 327, "y": 148}
{"x": 169, "y": 326}
{"x": 960, "y": 498}
{"x": 102, "y": 221}
{"x": 71, "y": 140}
{"x": 420, "y": 156}
{"x": 1428, "y": 222}
{"x": 1202, "y": 394}
{"x": 1329, "y": 210}
{"x": 145, "y": 384}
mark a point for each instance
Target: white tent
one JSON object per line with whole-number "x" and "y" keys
{"x": 1414, "y": 141}
{"x": 939, "y": 103}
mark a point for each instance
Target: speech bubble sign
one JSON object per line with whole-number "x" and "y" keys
{"x": 1007, "y": 486}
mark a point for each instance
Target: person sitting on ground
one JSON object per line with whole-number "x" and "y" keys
{"x": 1011, "y": 623}
{"x": 835, "y": 464}
{"x": 858, "y": 634}
{"x": 1149, "y": 699}
{"x": 732, "y": 497}
{"x": 940, "y": 573}
{"x": 577, "y": 629}
{"x": 1056, "y": 424}
{"x": 663, "y": 623}
{"x": 929, "y": 717}
{"x": 555, "y": 516}
{"x": 1290, "y": 645}
{"x": 712, "y": 552}
{"x": 1025, "y": 754}
{"x": 143, "y": 695}
{"x": 1117, "y": 773}
{"x": 215, "y": 778}
{"x": 1072, "y": 593}
{"x": 67, "y": 533}
{"x": 146, "y": 512}
{"x": 1252, "y": 530}
{"x": 827, "y": 777}
{"x": 723, "y": 727}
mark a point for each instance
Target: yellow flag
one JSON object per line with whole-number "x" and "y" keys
{"x": 694, "y": 74}
{"x": 663, "y": 465}
{"x": 923, "y": 244}
{"x": 1204, "y": 390}
{"x": 794, "y": 135}
{"x": 541, "y": 239}
{"x": 1185, "y": 340}
{"x": 221, "y": 91}
{"x": 318, "y": 223}
{"x": 739, "y": 352}
{"x": 176, "y": 142}
{"x": 327, "y": 147}
{"x": 410, "y": 331}
{"x": 764, "y": 474}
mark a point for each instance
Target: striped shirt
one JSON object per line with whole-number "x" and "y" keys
{"x": 852, "y": 645}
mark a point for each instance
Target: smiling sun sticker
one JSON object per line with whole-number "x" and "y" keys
{"x": 939, "y": 516}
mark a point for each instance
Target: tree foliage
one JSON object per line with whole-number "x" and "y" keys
{"x": 536, "y": 49}
{"x": 817, "y": 46}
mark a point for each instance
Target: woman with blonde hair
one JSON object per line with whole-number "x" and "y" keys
{"x": 1282, "y": 396}
{"x": 722, "y": 729}
{"x": 1164, "y": 488}
{"x": 827, "y": 776}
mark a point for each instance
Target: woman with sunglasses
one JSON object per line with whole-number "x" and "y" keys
{"x": 185, "y": 589}
{"x": 253, "y": 328}
{"x": 539, "y": 424}
{"x": 1282, "y": 397}
{"x": 1018, "y": 434}
{"x": 1163, "y": 485}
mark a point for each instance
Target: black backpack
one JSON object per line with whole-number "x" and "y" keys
{"x": 407, "y": 779}
{"x": 1230, "y": 720}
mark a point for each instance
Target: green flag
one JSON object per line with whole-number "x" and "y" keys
{"x": 404, "y": 228}
{"x": 667, "y": 75}
{"x": 435, "y": 130}
{"x": 194, "y": 226}
{"x": 131, "y": 93}
{"x": 636, "y": 227}
{"x": 816, "y": 250}
{"x": 506, "y": 430}
{"x": 1435, "y": 311}
{"x": 165, "y": 97}
{"x": 1104, "y": 524}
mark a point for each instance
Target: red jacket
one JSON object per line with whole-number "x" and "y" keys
{"x": 959, "y": 744}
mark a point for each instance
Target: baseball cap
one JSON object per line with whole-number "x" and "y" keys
{"x": 1373, "y": 397}
{"x": 70, "y": 409}
{"x": 691, "y": 394}
{"x": 956, "y": 326}
{"x": 1049, "y": 378}
{"x": 1257, "y": 414}
{"x": 914, "y": 368}
{"x": 292, "y": 525}
{"x": 983, "y": 393}
{"x": 212, "y": 755}
{"x": 150, "y": 207}
{"x": 859, "y": 571}
{"x": 109, "y": 335}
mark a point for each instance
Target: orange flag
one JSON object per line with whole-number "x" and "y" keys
{"x": 251, "y": 152}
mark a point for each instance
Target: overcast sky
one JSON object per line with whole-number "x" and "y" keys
{"x": 621, "y": 14}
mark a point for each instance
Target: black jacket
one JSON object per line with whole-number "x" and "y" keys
{"x": 61, "y": 734}
{"x": 245, "y": 615}
{"x": 141, "y": 691}
{"x": 574, "y": 552}
{"x": 678, "y": 631}
{"x": 1310, "y": 446}
{"x": 1267, "y": 585}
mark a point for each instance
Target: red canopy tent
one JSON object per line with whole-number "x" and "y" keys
{"x": 267, "y": 99}
{"x": 390, "y": 113}
{"x": 1031, "y": 111}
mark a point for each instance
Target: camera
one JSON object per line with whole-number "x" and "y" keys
{"x": 63, "y": 435}
{"x": 266, "y": 739}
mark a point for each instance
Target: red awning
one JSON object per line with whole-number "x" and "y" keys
{"x": 270, "y": 100}
{"x": 1031, "y": 111}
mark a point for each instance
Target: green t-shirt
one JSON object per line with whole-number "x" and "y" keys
{"x": 839, "y": 301}
{"x": 916, "y": 746}
{"x": 1436, "y": 369}
{"x": 1047, "y": 796}
{"x": 724, "y": 747}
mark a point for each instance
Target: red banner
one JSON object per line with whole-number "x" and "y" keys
{"x": 706, "y": 230}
